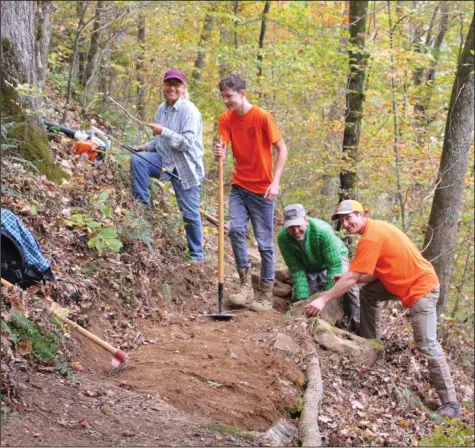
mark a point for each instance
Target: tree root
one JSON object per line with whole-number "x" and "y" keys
{"x": 308, "y": 425}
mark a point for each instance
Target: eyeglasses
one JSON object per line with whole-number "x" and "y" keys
{"x": 173, "y": 83}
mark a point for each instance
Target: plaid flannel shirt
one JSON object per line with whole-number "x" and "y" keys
{"x": 323, "y": 251}
{"x": 14, "y": 227}
{"x": 180, "y": 144}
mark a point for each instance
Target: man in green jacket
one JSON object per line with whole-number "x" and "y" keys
{"x": 314, "y": 254}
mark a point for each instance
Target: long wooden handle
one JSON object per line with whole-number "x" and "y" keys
{"x": 221, "y": 222}
{"x": 92, "y": 337}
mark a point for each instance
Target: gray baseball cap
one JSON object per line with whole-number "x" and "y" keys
{"x": 294, "y": 215}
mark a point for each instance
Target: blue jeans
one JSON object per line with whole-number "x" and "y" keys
{"x": 245, "y": 205}
{"x": 188, "y": 200}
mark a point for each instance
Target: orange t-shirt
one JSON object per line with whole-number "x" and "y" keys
{"x": 252, "y": 137}
{"x": 385, "y": 251}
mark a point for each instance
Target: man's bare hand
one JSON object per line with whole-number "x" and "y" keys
{"x": 157, "y": 129}
{"x": 140, "y": 148}
{"x": 272, "y": 191}
{"x": 337, "y": 277}
{"x": 315, "y": 307}
{"x": 219, "y": 150}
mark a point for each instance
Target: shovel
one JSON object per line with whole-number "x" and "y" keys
{"x": 221, "y": 315}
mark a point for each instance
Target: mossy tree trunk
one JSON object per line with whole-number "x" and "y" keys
{"x": 19, "y": 67}
{"x": 458, "y": 139}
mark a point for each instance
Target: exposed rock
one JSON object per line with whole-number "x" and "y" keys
{"x": 285, "y": 345}
{"x": 281, "y": 433}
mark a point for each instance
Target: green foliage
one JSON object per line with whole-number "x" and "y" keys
{"x": 103, "y": 237}
{"x": 226, "y": 429}
{"x": 106, "y": 238}
{"x": 44, "y": 343}
{"x": 82, "y": 220}
{"x": 297, "y": 408}
{"x": 449, "y": 433}
{"x": 137, "y": 228}
{"x": 99, "y": 201}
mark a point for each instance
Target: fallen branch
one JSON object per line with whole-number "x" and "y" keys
{"x": 143, "y": 123}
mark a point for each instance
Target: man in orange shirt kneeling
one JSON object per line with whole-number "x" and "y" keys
{"x": 391, "y": 267}
{"x": 252, "y": 133}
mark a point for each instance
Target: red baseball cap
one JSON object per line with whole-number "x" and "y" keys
{"x": 175, "y": 74}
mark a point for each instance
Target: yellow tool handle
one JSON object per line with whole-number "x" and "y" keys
{"x": 221, "y": 222}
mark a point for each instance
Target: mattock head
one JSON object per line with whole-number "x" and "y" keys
{"x": 118, "y": 362}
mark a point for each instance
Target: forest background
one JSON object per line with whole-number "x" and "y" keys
{"x": 304, "y": 62}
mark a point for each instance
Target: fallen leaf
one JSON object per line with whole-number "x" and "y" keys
{"x": 76, "y": 365}
{"x": 23, "y": 348}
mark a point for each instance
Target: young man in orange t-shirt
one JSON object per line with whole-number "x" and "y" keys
{"x": 252, "y": 133}
{"x": 391, "y": 267}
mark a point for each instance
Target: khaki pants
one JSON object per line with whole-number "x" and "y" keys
{"x": 424, "y": 327}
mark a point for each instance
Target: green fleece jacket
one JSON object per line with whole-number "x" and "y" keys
{"x": 323, "y": 250}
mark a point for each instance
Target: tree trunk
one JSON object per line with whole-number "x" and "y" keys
{"x": 335, "y": 114}
{"x": 79, "y": 29}
{"x": 93, "y": 55}
{"x": 422, "y": 76}
{"x": 141, "y": 67}
{"x": 236, "y": 15}
{"x": 397, "y": 131}
{"x": 82, "y": 49}
{"x": 354, "y": 98}
{"x": 43, "y": 22}
{"x": 19, "y": 66}
{"x": 442, "y": 228}
{"x": 262, "y": 37}
{"x": 204, "y": 38}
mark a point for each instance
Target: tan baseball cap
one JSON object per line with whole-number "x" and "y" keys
{"x": 294, "y": 215}
{"x": 346, "y": 207}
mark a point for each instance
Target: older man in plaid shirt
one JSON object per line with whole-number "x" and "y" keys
{"x": 177, "y": 147}
{"x": 314, "y": 255}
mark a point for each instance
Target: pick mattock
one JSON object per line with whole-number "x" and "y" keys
{"x": 120, "y": 357}
{"x": 221, "y": 314}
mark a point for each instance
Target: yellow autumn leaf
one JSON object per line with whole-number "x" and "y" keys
{"x": 76, "y": 365}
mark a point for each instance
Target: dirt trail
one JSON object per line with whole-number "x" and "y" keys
{"x": 224, "y": 371}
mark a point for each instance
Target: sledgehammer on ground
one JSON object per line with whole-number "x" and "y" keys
{"x": 120, "y": 357}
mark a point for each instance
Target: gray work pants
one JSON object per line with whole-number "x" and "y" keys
{"x": 424, "y": 327}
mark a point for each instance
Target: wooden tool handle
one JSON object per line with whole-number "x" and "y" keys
{"x": 92, "y": 337}
{"x": 221, "y": 222}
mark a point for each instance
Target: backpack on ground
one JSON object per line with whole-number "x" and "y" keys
{"x": 22, "y": 261}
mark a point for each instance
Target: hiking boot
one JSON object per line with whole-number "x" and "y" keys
{"x": 245, "y": 296}
{"x": 265, "y": 299}
{"x": 450, "y": 410}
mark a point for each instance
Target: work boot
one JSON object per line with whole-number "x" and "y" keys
{"x": 245, "y": 296}
{"x": 450, "y": 410}
{"x": 265, "y": 299}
